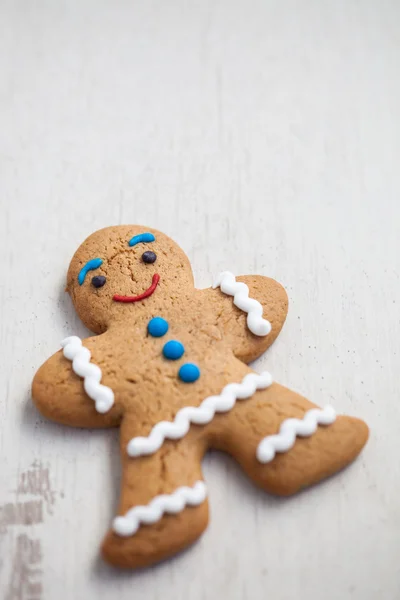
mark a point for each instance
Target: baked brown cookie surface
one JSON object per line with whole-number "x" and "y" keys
{"x": 170, "y": 369}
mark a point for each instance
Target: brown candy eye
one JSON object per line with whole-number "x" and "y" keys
{"x": 149, "y": 257}
{"x": 98, "y": 281}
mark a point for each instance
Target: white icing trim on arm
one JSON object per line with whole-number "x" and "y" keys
{"x": 290, "y": 428}
{"x": 178, "y": 428}
{"x": 170, "y": 504}
{"x": 102, "y": 395}
{"x": 227, "y": 283}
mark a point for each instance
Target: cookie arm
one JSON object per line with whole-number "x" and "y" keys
{"x": 59, "y": 395}
{"x": 232, "y": 321}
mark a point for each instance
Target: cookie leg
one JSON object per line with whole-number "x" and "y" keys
{"x": 288, "y": 461}
{"x": 163, "y": 506}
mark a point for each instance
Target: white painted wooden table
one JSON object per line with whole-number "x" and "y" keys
{"x": 264, "y": 137}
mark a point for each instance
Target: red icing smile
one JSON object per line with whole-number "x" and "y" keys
{"x": 146, "y": 294}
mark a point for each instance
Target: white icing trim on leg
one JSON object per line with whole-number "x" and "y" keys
{"x": 178, "y": 428}
{"x": 290, "y": 428}
{"x": 227, "y": 283}
{"x": 170, "y": 504}
{"x": 102, "y": 395}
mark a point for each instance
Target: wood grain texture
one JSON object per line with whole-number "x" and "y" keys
{"x": 264, "y": 137}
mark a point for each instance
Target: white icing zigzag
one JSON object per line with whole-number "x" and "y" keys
{"x": 91, "y": 373}
{"x": 240, "y": 292}
{"x": 201, "y": 415}
{"x": 290, "y": 428}
{"x": 165, "y": 503}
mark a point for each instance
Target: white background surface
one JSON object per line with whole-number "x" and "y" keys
{"x": 263, "y": 136}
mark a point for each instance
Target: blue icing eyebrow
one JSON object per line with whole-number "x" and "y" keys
{"x": 142, "y": 237}
{"x": 95, "y": 263}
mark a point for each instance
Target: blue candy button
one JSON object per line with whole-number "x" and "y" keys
{"x": 189, "y": 372}
{"x": 173, "y": 350}
{"x": 157, "y": 327}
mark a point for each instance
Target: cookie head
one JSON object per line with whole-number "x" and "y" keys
{"x": 125, "y": 273}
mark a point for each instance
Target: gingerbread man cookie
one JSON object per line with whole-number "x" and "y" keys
{"x": 170, "y": 369}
